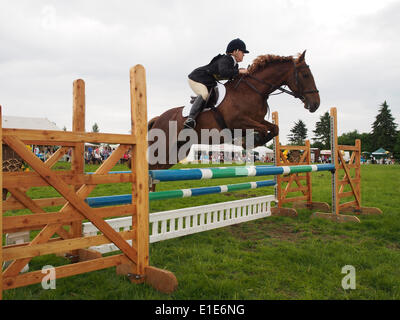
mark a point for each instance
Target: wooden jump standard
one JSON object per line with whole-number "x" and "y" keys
{"x": 346, "y": 179}
{"x": 74, "y": 188}
{"x": 344, "y": 175}
{"x": 294, "y": 183}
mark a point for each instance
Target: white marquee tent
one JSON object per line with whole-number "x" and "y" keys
{"x": 201, "y": 151}
{"x": 28, "y": 123}
{"x": 264, "y": 151}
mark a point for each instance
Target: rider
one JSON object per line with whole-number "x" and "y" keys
{"x": 221, "y": 67}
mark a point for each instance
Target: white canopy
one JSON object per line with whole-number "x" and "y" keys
{"x": 217, "y": 147}
{"x": 28, "y": 123}
{"x": 263, "y": 151}
{"x": 206, "y": 148}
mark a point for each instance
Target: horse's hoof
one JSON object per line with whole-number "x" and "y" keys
{"x": 189, "y": 124}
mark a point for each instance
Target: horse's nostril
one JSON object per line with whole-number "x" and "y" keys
{"x": 314, "y": 107}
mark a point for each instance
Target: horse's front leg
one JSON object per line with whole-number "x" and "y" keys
{"x": 273, "y": 130}
{"x": 264, "y": 132}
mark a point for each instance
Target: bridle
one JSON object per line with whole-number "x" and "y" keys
{"x": 300, "y": 94}
{"x": 296, "y": 73}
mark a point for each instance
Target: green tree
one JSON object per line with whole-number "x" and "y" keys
{"x": 384, "y": 132}
{"x": 64, "y": 128}
{"x": 318, "y": 144}
{"x": 322, "y": 132}
{"x": 366, "y": 142}
{"x": 298, "y": 134}
{"x": 95, "y": 128}
{"x": 396, "y": 149}
{"x": 349, "y": 139}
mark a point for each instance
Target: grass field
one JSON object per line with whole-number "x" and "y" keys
{"x": 272, "y": 258}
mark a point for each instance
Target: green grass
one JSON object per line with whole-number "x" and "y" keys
{"x": 272, "y": 258}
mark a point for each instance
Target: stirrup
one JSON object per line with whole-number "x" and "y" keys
{"x": 190, "y": 123}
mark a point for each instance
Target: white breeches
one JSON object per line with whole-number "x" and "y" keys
{"x": 199, "y": 88}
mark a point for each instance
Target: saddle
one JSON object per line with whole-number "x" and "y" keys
{"x": 215, "y": 98}
{"x": 211, "y": 99}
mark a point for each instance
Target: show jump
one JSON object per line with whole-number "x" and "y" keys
{"x": 79, "y": 230}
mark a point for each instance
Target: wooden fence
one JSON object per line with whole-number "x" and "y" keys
{"x": 61, "y": 231}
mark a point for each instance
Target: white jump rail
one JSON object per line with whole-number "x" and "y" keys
{"x": 181, "y": 222}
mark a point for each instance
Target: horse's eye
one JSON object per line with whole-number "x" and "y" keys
{"x": 305, "y": 75}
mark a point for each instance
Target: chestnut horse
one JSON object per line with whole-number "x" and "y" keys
{"x": 245, "y": 106}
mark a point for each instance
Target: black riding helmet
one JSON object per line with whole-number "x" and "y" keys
{"x": 236, "y": 44}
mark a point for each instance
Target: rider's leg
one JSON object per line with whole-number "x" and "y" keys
{"x": 194, "y": 111}
{"x": 202, "y": 94}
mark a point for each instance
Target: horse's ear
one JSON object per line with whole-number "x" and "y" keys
{"x": 302, "y": 56}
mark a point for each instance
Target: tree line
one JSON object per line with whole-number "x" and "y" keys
{"x": 383, "y": 133}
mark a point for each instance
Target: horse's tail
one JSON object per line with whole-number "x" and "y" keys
{"x": 151, "y": 123}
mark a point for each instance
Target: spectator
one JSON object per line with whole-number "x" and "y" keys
{"x": 97, "y": 156}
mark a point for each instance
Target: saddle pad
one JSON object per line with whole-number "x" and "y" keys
{"x": 221, "y": 96}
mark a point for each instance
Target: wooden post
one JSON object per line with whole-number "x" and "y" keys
{"x": 162, "y": 280}
{"x": 334, "y": 161}
{"x": 78, "y": 154}
{"x": 78, "y": 125}
{"x": 308, "y": 174}
{"x": 277, "y": 178}
{"x": 358, "y": 172}
{"x": 139, "y": 165}
{"x": 362, "y": 210}
{"x": 1, "y": 206}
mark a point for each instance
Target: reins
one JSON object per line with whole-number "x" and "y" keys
{"x": 263, "y": 95}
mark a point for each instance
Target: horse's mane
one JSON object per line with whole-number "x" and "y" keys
{"x": 263, "y": 61}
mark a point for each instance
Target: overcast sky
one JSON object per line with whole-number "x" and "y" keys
{"x": 352, "y": 49}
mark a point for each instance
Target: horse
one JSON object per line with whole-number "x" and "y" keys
{"x": 245, "y": 104}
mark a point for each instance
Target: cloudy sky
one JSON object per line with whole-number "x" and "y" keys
{"x": 352, "y": 49}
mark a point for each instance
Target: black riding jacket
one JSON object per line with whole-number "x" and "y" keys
{"x": 221, "y": 67}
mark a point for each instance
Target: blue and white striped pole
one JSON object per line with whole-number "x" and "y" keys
{"x": 231, "y": 172}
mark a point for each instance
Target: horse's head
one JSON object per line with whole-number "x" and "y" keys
{"x": 303, "y": 85}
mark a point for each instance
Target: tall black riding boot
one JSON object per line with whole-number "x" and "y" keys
{"x": 194, "y": 112}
